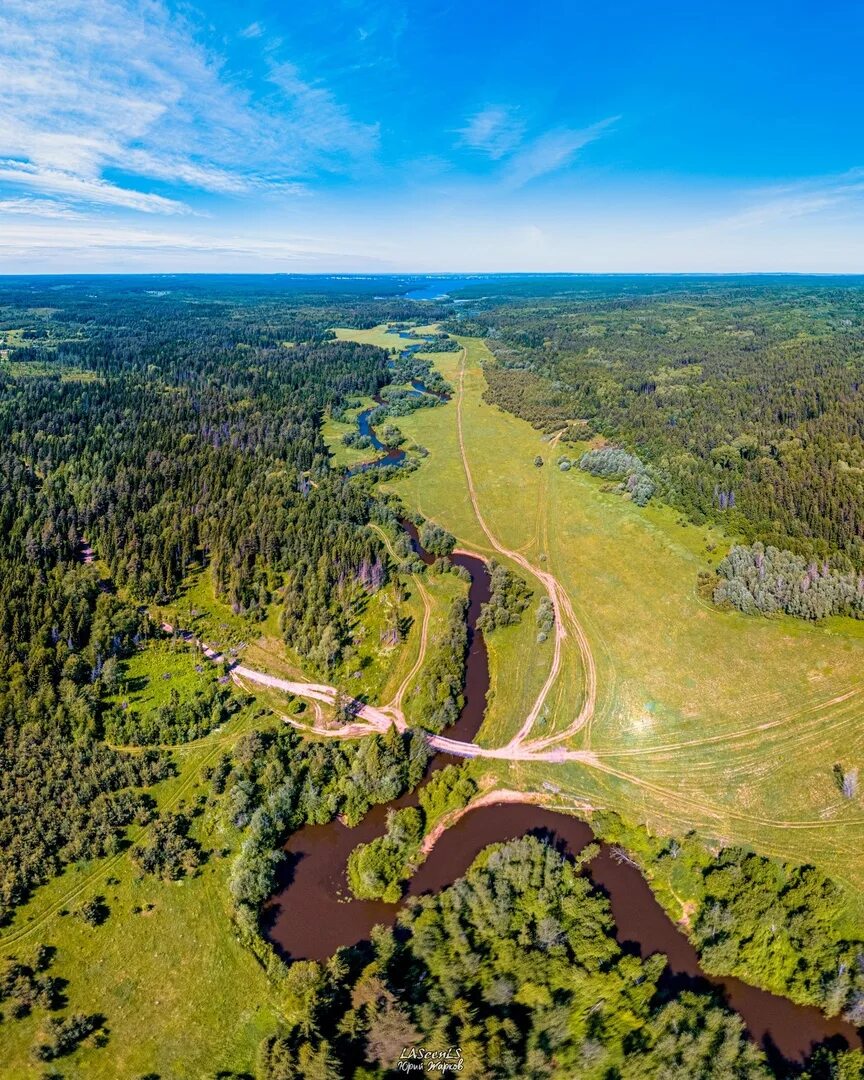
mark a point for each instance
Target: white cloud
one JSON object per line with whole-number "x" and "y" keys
{"x": 99, "y": 246}
{"x": 40, "y": 208}
{"x": 777, "y": 205}
{"x": 564, "y": 235}
{"x": 102, "y": 97}
{"x": 495, "y": 130}
{"x": 320, "y": 123}
{"x": 253, "y": 30}
{"x": 85, "y": 189}
{"x": 499, "y": 132}
{"x": 551, "y": 151}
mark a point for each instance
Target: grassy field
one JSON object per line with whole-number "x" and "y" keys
{"x": 709, "y": 720}
{"x": 182, "y": 998}
{"x": 378, "y": 336}
{"x": 346, "y": 457}
{"x": 146, "y": 679}
{"x": 14, "y": 338}
{"x": 518, "y": 665}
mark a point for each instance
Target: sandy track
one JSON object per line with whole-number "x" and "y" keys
{"x": 488, "y": 798}
{"x": 396, "y": 703}
{"x": 565, "y": 617}
{"x": 378, "y": 719}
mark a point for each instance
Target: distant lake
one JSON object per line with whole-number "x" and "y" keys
{"x": 438, "y": 288}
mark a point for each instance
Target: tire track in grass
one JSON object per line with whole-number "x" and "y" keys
{"x": 395, "y": 705}
{"x": 103, "y": 870}
{"x": 565, "y": 617}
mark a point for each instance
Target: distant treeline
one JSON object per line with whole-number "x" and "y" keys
{"x": 746, "y": 403}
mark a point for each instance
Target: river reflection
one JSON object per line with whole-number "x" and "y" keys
{"x": 313, "y": 913}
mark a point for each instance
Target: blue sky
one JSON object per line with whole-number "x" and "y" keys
{"x": 472, "y": 136}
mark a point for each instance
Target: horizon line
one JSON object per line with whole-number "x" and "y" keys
{"x": 440, "y": 274}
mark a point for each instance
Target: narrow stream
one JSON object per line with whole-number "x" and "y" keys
{"x": 391, "y": 455}
{"x": 313, "y": 913}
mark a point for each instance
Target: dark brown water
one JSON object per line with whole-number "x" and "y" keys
{"x": 392, "y": 454}
{"x": 313, "y": 912}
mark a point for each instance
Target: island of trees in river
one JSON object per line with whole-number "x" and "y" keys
{"x": 148, "y": 433}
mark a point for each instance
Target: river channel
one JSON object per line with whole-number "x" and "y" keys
{"x": 313, "y": 912}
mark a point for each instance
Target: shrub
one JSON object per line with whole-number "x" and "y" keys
{"x": 169, "y": 851}
{"x": 435, "y": 540}
{"x": 611, "y": 462}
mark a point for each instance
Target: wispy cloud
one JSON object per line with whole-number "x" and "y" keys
{"x": 107, "y": 102}
{"x": 319, "y": 123}
{"x": 550, "y": 152}
{"x": 85, "y": 189}
{"x": 499, "y": 132}
{"x": 495, "y": 130}
{"x": 253, "y": 30}
{"x": 98, "y": 244}
{"x": 38, "y": 208}
{"x": 780, "y": 204}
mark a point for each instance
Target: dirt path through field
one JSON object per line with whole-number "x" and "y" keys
{"x": 396, "y": 702}
{"x": 565, "y": 617}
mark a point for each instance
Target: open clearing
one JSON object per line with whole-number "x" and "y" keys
{"x": 179, "y": 991}
{"x": 709, "y": 720}
{"x": 703, "y": 720}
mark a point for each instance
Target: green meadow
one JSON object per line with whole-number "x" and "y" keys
{"x": 346, "y": 457}
{"x": 707, "y": 720}
{"x": 181, "y": 996}
{"x": 147, "y": 679}
{"x": 378, "y": 336}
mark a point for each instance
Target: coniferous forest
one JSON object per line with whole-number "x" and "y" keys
{"x": 159, "y": 435}
{"x": 745, "y": 400}
{"x": 151, "y": 431}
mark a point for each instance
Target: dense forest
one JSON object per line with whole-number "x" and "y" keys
{"x": 513, "y": 972}
{"x": 153, "y": 429}
{"x": 746, "y": 402}
{"x": 159, "y": 432}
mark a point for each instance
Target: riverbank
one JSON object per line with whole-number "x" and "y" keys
{"x": 312, "y": 913}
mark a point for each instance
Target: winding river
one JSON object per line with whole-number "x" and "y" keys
{"x": 390, "y": 455}
{"x": 313, "y": 912}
